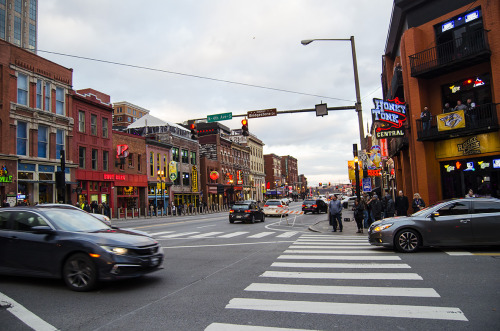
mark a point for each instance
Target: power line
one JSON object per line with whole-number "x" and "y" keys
{"x": 191, "y": 75}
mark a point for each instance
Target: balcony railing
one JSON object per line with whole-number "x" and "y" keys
{"x": 486, "y": 121}
{"x": 472, "y": 48}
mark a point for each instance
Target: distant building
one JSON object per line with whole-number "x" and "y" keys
{"x": 272, "y": 166}
{"x": 19, "y": 23}
{"x": 125, "y": 113}
{"x": 290, "y": 174}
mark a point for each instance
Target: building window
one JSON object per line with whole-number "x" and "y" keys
{"x": 158, "y": 164}
{"x": 59, "y": 143}
{"x": 2, "y": 24}
{"x": 33, "y": 10}
{"x": 18, "y": 6}
{"x": 185, "y": 158}
{"x": 94, "y": 159}
{"x": 129, "y": 119}
{"x": 81, "y": 121}
{"x": 39, "y": 96}
{"x": 17, "y": 31}
{"x": 105, "y": 128}
{"x": 119, "y": 119}
{"x": 138, "y": 162}
{"x": 151, "y": 164}
{"x": 42, "y": 141}
{"x": 165, "y": 164}
{"x": 105, "y": 160}
{"x": 193, "y": 158}
{"x": 81, "y": 157}
{"x": 59, "y": 100}
{"x": 22, "y": 138}
{"x": 185, "y": 179}
{"x": 22, "y": 89}
{"x": 32, "y": 36}
{"x": 131, "y": 160}
{"x": 47, "y": 96}
{"x": 93, "y": 125}
{"x": 175, "y": 154}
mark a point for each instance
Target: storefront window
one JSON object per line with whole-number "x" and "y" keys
{"x": 45, "y": 193}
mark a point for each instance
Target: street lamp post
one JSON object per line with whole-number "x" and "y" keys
{"x": 356, "y": 84}
{"x": 162, "y": 180}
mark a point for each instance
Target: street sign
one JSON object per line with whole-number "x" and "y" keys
{"x": 367, "y": 184}
{"x": 262, "y": 113}
{"x": 219, "y": 117}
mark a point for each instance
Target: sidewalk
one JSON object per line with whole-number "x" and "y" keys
{"x": 350, "y": 228}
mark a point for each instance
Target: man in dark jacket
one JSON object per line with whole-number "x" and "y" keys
{"x": 402, "y": 204}
{"x": 376, "y": 207}
{"x": 389, "y": 209}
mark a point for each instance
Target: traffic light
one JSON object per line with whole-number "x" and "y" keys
{"x": 244, "y": 127}
{"x": 320, "y": 184}
{"x": 194, "y": 132}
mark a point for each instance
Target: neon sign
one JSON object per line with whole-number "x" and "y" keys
{"x": 391, "y": 114}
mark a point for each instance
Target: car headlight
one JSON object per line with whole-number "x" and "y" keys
{"x": 115, "y": 250}
{"x": 379, "y": 228}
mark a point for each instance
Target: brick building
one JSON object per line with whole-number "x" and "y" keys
{"x": 290, "y": 174}
{"x": 438, "y": 53}
{"x": 35, "y": 126}
{"x": 272, "y": 166}
{"x": 158, "y": 158}
{"x": 125, "y": 113}
{"x": 19, "y": 23}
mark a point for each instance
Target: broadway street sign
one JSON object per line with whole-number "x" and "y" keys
{"x": 219, "y": 117}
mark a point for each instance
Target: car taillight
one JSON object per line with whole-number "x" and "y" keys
{"x": 266, "y": 205}
{"x": 280, "y": 206}
{"x": 315, "y": 206}
{"x": 303, "y": 206}
{"x": 231, "y": 211}
{"x": 248, "y": 211}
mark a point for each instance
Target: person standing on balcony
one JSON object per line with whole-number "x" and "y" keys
{"x": 470, "y": 112}
{"x": 447, "y": 108}
{"x": 460, "y": 106}
{"x": 425, "y": 116}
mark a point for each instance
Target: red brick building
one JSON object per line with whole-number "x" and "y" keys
{"x": 290, "y": 173}
{"x": 438, "y": 53}
{"x": 272, "y": 166}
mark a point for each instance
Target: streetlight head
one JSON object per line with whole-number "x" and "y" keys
{"x": 306, "y": 42}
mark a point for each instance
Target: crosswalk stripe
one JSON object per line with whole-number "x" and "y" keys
{"x": 159, "y": 233}
{"x": 331, "y": 251}
{"x": 343, "y": 237}
{"x": 234, "y": 234}
{"x": 336, "y": 240}
{"x": 342, "y": 265}
{"x": 458, "y": 253}
{"x": 261, "y": 235}
{"x": 300, "y": 246}
{"x": 178, "y": 234}
{"x": 345, "y": 290}
{"x": 359, "y": 309}
{"x": 204, "y": 235}
{"x": 333, "y": 243}
{"x": 341, "y": 275}
{"x": 341, "y": 257}
{"x": 239, "y": 327}
{"x": 287, "y": 234}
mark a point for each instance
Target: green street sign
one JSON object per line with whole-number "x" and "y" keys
{"x": 219, "y": 117}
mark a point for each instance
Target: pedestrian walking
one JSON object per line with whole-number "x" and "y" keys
{"x": 418, "y": 203}
{"x": 359, "y": 209}
{"x": 335, "y": 214}
{"x": 390, "y": 208}
{"x": 376, "y": 206}
{"x": 366, "y": 212}
{"x": 402, "y": 204}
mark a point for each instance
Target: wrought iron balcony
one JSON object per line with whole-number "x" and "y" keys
{"x": 485, "y": 121}
{"x": 461, "y": 52}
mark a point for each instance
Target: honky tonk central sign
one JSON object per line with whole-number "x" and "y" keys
{"x": 391, "y": 114}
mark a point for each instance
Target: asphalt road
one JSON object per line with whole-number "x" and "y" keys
{"x": 222, "y": 276}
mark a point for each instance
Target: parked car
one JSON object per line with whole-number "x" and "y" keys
{"x": 75, "y": 246}
{"x": 274, "y": 207}
{"x": 100, "y": 217}
{"x": 348, "y": 202}
{"x": 246, "y": 212}
{"x": 314, "y": 206}
{"x": 459, "y": 222}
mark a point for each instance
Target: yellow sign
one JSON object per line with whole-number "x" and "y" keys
{"x": 194, "y": 179}
{"x": 351, "y": 170}
{"x": 470, "y": 145}
{"x": 451, "y": 121}
{"x": 172, "y": 170}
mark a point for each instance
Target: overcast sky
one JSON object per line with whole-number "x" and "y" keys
{"x": 254, "y": 42}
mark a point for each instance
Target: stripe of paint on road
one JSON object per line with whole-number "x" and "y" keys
{"x": 345, "y": 290}
{"x": 287, "y": 234}
{"x": 338, "y": 237}
{"x": 365, "y": 244}
{"x": 341, "y": 257}
{"x": 299, "y": 246}
{"x": 204, "y": 235}
{"x": 341, "y": 265}
{"x": 179, "y": 234}
{"x": 160, "y": 233}
{"x": 234, "y": 234}
{"x": 358, "y": 309}
{"x": 261, "y": 235}
{"x": 238, "y": 327}
{"x": 341, "y": 275}
{"x": 458, "y": 253}
{"x": 333, "y": 240}
{"x": 331, "y": 251}
{"x": 24, "y": 315}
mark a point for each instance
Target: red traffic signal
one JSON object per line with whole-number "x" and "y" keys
{"x": 244, "y": 127}
{"x": 194, "y": 132}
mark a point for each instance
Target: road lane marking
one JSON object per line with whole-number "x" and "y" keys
{"x": 159, "y": 233}
{"x": 333, "y": 243}
{"x": 335, "y": 240}
{"x": 178, "y": 234}
{"x": 299, "y": 246}
{"x": 239, "y": 327}
{"x": 287, "y": 234}
{"x": 341, "y": 265}
{"x": 221, "y": 245}
{"x": 358, "y": 309}
{"x": 342, "y": 275}
{"x": 234, "y": 234}
{"x": 261, "y": 235}
{"x": 331, "y": 251}
{"x": 345, "y": 290}
{"x": 24, "y": 315}
{"x": 204, "y": 235}
{"x": 340, "y": 257}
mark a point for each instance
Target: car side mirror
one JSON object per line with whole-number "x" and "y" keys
{"x": 42, "y": 229}
{"x": 434, "y": 215}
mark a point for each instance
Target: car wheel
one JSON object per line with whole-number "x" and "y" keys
{"x": 231, "y": 221}
{"x": 263, "y": 218}
{"x": 407, "y": 241}
{"x": 80, "y": 273}
{"x": 252, "y": 220}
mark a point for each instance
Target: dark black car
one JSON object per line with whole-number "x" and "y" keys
{"x": 75, "y": 246}
{"x": 314, "y": 206}
{"x": 246, "y": 212}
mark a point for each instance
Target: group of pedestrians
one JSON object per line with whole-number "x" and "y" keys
{"x": 368, "y": 209}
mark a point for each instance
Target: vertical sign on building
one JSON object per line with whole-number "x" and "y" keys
{"x": 194, "y": 176}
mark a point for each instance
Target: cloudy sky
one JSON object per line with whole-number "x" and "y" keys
{"x": 194, "y": 49}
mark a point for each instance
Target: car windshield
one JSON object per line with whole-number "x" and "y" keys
{"x": 273, "y": 202}
{"x": 241, "y": 206}
{"x": 74, "y": 220}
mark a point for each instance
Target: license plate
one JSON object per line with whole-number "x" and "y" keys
{"x": 154, "y": 261}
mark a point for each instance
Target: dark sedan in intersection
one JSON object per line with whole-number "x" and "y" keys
{"x": 247, "y": 211}
{"x": 314, "y": 206}
{"x": 459, "y": 222}
{"x": 75, "y": 246}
